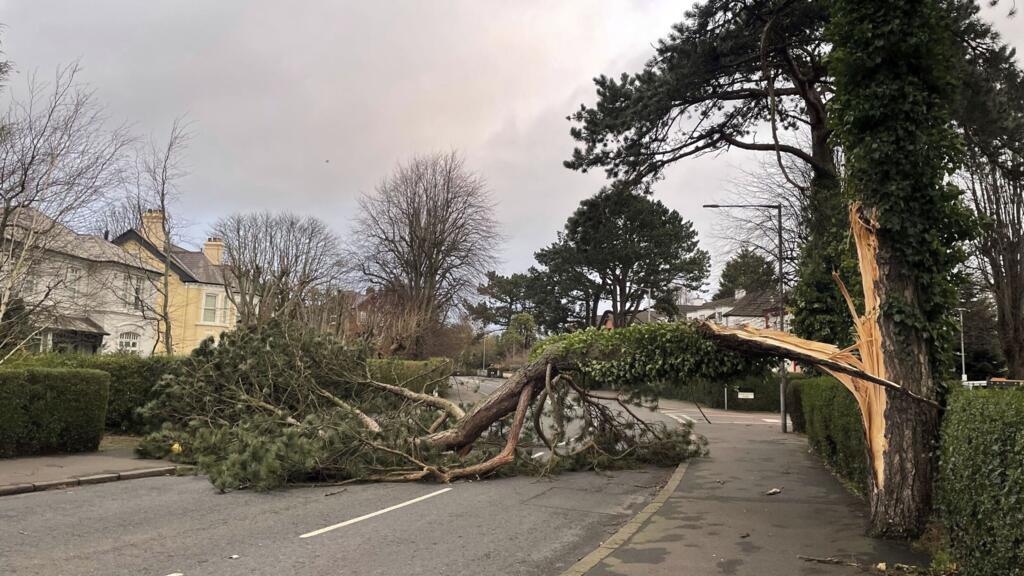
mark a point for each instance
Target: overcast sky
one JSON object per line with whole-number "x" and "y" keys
{"x": 305, "y": 105}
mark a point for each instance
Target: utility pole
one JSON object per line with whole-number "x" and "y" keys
{"x": 963, "y": 357}
{"x": 782, "y": 298}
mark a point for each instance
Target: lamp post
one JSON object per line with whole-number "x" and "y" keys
{"x": 963, "y": 357}
{"x": 782, "y": 298}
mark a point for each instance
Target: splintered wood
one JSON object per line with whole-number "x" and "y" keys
{"x": 861, "y": 367}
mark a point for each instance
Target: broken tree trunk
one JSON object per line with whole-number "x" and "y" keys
{"x": 890, "y": 378}
{"x": 498, "y": 404}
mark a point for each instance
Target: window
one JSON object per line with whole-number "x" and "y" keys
{"x": 210, "y": 308}
{"x": 131, "y": 293}
{"x": 128, "y": 342}
{"x": 73, "y": 278}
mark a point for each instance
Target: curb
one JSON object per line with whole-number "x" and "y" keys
{"x": 12, "y": 489}
{"x": 583, "y": 565}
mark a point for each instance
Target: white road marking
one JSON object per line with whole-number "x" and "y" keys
{"x": 538, "y": 455}
{"x": 680, "y": 418}
{"x": 372, "y": 514}
{"x": 771, "y": 420}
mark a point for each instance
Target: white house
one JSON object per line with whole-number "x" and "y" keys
{"x": 759, "y": 309}
{"x": 87, "y": 294}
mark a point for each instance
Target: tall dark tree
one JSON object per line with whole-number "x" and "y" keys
{"x": 502, "y": 298}
{"x": 894, "y": 68}
{"x": 725, "y": 72}
{"x": 635, "y": 248}
{"x": 991, "y": 115}
{"x": 565, "y": 296}
{"x": 982, "y": 349}
{"x": 747, "y": 270}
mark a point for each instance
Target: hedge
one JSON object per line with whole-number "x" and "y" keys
{"x": 710, "y": 392}
{"x": 46, "y": 410}
{"x": 832, "y": 420}
{"x": 132, "y": 382}
{"x": 417, "y": 375}
{"x": 981, "y": 480}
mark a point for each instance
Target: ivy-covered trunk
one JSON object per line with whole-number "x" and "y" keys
{"x": 893, "y": 64}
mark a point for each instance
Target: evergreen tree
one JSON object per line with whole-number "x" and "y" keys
{"x": 747, "y": 270}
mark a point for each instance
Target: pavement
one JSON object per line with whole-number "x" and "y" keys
{"x": 115, "y": 457}
{"x": 719, "y": 520}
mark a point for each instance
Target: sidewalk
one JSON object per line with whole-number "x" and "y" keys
{"x": 115, "y": 460}
{"x": 718, "y": 520}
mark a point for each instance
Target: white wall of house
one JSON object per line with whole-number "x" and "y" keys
{"x": 113, "y": 295}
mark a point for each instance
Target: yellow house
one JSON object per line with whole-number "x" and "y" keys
{"x": 198, "y": 304}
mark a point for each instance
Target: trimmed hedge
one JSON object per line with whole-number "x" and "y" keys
{"x": 45, "y": 410}
{"x": 132, "y": 382}
{"x": 710, "y": 392}
{"x": 832, "y": 420}
{"x": 981, "y": 480}
{"x": 417, "y": 375}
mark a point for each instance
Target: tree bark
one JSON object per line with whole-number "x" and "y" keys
{"x": 499, "y": 403}
{"x": 900, "y": 496}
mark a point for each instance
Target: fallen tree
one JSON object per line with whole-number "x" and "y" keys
{"x": 276, "y": 404}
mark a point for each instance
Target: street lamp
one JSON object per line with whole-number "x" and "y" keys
{"x": 782, "y": 298}
{"x": 963, "y": 357}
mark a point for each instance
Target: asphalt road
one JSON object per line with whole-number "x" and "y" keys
{"x": 183, "y": 526}
{"x": 164, "y": 526}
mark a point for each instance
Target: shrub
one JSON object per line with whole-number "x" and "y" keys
{"x": 834, "y": 428}
{"x": 416, "y": 375}
{"x": 133, "y": 381}
{"x": 132, "y": 384}
{"x": 765, "y": 387}
{"x": 981, "y": 480}
{"x": 46, "y": 410}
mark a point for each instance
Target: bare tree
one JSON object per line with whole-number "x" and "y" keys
{"x": 58, "y": 160}
{"x": 758, "y": 229}
{"x": 276, "y": 263}
{"x": 427, "y": 236}
{"x": 996, "y": 192}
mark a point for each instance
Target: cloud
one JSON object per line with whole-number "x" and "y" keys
{"x": 305, "y": 105}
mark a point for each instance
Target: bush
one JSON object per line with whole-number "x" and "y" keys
{"x": 416, "y": 375}
{"x": 834, "y": 427}
{"x": 44, "y": 410}
{"x": 764, "y": 386}
{"x": 133, "y": 381}
{"x": 981, "y": 480}
{"x": 132, "y": 384}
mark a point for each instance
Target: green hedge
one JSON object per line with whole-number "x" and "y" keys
{"x": 710, "y": 392}
{"x": 832, "y": 420}
{"x": 417, "y": 375}
{"x": 45, "y": 410}
{"x": 981, "y": 481}
{"x": 132, "y": 382}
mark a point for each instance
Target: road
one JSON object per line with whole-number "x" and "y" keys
{"x": 164, "y": 526}
{"x": 183, "y": 526}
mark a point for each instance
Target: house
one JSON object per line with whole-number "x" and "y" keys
{"x": 85, "y": 293}
{"x": 198, "y": 304}
{"x": 759, "y": 309}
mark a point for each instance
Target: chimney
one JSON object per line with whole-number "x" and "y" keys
{"x": 739, "y": 293}
{"x": 213, "y": 249}
{"x": 153, "y": 227}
